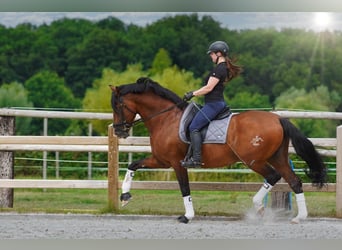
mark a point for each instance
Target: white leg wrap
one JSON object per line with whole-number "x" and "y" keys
{"x": 260, "y": 195}
{"x": 189, "y": 209}
{"x": 302, "y": 211}
{"x": 127, "y": 182}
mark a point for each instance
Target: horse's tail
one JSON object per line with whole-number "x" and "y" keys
{"x": 306, "y": 150}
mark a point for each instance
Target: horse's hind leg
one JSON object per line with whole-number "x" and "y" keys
{"x": 284, "y": 169}
{"x": 271, "y": 178}
{"x": 296, "y": 184}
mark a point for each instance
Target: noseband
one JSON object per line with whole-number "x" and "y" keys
{"x": 123, "y": 126}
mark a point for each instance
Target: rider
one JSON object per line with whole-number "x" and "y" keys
{"x": 213, "y": 88}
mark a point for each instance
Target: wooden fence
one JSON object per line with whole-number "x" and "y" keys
{"x": 113, "y": 146}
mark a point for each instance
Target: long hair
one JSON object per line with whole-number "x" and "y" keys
{"x": 234, "y": 70}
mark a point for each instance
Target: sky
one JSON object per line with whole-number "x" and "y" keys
{"x": 316, "y": 21}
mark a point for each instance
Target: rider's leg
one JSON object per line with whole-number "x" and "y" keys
{"x": 196, "y": 146}
{"x": 201, "y": 119}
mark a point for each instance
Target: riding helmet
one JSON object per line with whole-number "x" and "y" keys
{"x": 218, "y": 46}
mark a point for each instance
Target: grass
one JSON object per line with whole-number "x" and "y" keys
{"x": 153, "y": 202}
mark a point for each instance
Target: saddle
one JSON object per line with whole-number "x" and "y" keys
{"x": 215, "y": 132}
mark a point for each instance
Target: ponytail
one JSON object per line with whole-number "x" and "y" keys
{"x": 234, "y": 70}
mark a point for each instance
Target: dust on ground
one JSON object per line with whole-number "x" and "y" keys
{"x": 85, "y": 226}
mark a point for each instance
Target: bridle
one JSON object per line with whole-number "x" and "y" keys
{"x": 123, "y": 126}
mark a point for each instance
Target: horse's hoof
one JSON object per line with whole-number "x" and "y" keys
{"x": 297, "y": 220}
{"x": 261, "y": 211}
{"x": 125, "y": 199}
{"x": 183, "y": 219}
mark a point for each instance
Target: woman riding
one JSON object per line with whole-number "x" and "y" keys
{"x": 224, "y": 71}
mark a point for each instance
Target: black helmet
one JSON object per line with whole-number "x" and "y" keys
{"x": 218, "y": 46}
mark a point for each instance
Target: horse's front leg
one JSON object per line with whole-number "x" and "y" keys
{"x": 126, "y": 196}
{"x": 183, "y": 181}
{"x": 127, "y": 182}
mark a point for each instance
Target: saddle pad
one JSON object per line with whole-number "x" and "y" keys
{"x": 215, "y": 133}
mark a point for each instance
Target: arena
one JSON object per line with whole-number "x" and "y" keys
{"x": 85, "y": 226}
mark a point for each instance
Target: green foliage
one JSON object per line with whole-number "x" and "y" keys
{"x": 247, "y": 100}
{"x": 47, "y": 90}
{"x": 319, "y": 99}
{"x": 15, "y": 95}
{"x": 97, "y": 98}
{"x": 161, "y": 61}
{"x": 172, "y": 51}
{"x": 177, "y": 80}
{"x": 86, "y": 61}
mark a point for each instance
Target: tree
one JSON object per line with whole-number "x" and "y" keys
{"x": 100, "y": 49}
{"x": 18, "y": 50}
{"x": 177, "y": 80}
{"x": 247, "y": 100}
{"x": 97, "y": 98}
{"x": 65, "y": 34}
{"x": 15, "y": 95}
{"x": 160, "y": 62}
{"x": 78, "y": 50}
{"x": 319, "y": 100}
{"x": 48, "y": 91}
{"x": 291, "y": 74}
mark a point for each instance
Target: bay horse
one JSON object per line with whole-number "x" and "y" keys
{"x": 259, "y": 139}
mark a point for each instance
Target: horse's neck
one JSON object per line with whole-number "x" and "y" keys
{"x": 157, "y": 116}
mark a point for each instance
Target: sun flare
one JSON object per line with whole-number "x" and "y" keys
{"x": 322, "y": 20}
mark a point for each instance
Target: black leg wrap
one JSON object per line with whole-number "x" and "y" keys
{"x": 296, "y": 185}
{"x": 125, "y": 197}
{"x": 183, "y": 219}
{"x": 273, "y": 179}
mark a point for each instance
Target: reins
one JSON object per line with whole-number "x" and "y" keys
{"x": 131, "y": 124}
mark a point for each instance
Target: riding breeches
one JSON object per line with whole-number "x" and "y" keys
{"x": 206, "y": 114}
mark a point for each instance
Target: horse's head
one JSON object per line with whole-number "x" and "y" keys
{"x": 123, "y": 115}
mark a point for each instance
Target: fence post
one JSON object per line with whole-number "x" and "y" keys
{"x": 90, "y": 133}
{"x": 339, "y": 172}
{"x": 113, "y": 169}
{"x": 282, "y": 200}
{"x": 7, "y": 127}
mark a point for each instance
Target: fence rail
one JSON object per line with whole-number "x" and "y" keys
{"x": 135, "y": 144}
{"x": 158, "y": 185}
{"x": 72, "y": 143}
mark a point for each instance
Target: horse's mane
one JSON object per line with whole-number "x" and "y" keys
{"x": 144, "y": 84}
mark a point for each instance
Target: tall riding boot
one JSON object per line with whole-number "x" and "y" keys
{"x": 195, "y": 161}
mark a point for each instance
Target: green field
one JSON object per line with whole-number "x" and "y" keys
{"x": 153, "y": 202}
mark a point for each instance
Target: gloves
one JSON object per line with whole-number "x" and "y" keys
{"x": 188, "y": 96}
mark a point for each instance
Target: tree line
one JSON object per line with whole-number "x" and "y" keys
{"x": 69, "y": 63}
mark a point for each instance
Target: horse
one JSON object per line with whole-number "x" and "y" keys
{"x": 259, "y": 139}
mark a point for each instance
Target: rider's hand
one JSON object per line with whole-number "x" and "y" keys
{"x": 188, "y": 96}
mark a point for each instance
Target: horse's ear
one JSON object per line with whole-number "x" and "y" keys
{"x": 143, "y": 79}
{"x": 113, "y": 88}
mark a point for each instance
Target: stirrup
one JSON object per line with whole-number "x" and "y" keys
{"x": 191, "y": 163}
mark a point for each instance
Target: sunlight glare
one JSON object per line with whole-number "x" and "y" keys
{"x": 322, "y": 20}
